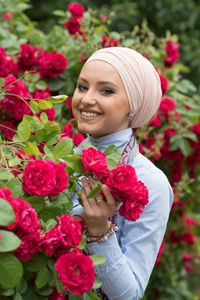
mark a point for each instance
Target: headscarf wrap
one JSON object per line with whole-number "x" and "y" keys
{"x": 140, "y": 79}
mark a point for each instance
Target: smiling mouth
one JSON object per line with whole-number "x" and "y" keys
{"x": 88, "y": 114}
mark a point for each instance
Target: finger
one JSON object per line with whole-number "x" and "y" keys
{"x": 86, "y": 185}
{"x": 108, "y": 195}
{"x": 100, "y": 197}
{"x": 85, "y": 201}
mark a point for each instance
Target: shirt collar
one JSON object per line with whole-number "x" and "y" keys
{"x": 119, "y": 139}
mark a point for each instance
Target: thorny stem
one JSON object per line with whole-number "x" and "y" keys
{"x": 22, "y": 98}
{"x": 4, "y": 159}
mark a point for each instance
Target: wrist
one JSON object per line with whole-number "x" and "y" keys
{"x": 103, "y": 237}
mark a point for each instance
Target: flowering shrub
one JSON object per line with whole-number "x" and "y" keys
{"x": 32, "y": 69}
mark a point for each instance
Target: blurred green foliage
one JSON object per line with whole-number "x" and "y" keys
{"x": 181, "y": 17}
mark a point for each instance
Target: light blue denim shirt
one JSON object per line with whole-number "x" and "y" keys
{"x": 132, "y": 251}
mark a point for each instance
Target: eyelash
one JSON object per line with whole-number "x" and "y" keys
{"x": 105, "y": 91}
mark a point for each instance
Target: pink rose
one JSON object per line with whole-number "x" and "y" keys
{"x": 76, "y": 9}
{"x": 94, "y": 162}
{"x": 76, "y": 272}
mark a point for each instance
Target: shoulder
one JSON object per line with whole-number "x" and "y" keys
{"x": 154, "y": 179}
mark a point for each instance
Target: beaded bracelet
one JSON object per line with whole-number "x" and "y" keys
{"x": 92, "y": 238}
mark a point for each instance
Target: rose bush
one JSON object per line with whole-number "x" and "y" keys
{"x": 45, "y": 130}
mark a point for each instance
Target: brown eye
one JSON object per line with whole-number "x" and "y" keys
{"x": 82, "y": 88}
{"x": 107, "y": 91}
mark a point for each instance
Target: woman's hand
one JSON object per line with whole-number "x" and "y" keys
{"x": 98, "y": 209}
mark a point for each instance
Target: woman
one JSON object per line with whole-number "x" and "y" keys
{"x": 117, "y": 90}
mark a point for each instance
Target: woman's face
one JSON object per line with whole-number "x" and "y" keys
{"x": 100, "y": 104}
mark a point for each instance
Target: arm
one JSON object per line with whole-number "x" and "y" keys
{"x": 130, "y": 259}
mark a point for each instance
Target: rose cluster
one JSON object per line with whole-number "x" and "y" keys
{"x": 45, "y": 178}
{"x": 122, "y": 182}
{"x": 73, "y": 25}
{"x": 172, "y": 54}
{"x": 26, "y": 225}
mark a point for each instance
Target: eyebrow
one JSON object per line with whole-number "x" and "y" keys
{"x": 99, "y": 82}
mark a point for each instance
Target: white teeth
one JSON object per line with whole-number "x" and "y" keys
{"x": 88, "y": 114}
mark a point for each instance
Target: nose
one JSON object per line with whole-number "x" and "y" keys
{"x": 88, "y": 98}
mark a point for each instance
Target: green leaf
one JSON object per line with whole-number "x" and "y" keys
{"x": 43, "y": 104}
{"x": 83, "y": 243}
{"x": 113, "y": 156}
{"x": 44, "y": 118}
{"x": 42, "y": 277}
{"x": 5, "y": 174}
{"x": 58, "y": 99}
{"x": 34, "y": 106}
{"x": 190, "y": 135}
{"x": 34, "y": 77}
{"x": 7, "y": 292}
{"x": 31, "y": 149}
{"x": 37, "y": 262}
{"x": 45, "y": 291}
{"x": 97, "y": 284}
{"x": 18, "y": 297}
{"x": 9, "y": 241}
{"x": 24, "y": 130}
{"x": 15, "y": 186}
{"x": 90, "y": 296}
{"x": 14, "y": 161}
{"x": 50, "y": 224}
{"x": 47, "y": 150}
{"x": 56, "y": 84}
{"x": 87, "y": 145}
{"x": 34, "y": 122}
{"x": 74, "y": 162}
{"x": 94, "y": 192}
{"x": 74, "y": 297}
{"x": 41, "y": 85}
{"x": 63, "y": 201}
{"x": 11, "y": 270}
{"x": 36, "y": 202}
{"x": 97, "y": 259}
{"x": 7, "y": 215}
{"x": 63, "y": 148}
{"x": 50, "y": 213}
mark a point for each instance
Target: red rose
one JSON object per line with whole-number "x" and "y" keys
{"x": 76, "y": 272}
{"x": 164, "y": 84}
{"x": 94, "y": 162}
{"x": 160, "y": 253}
{"x": 62, "y": 179}
{"x": 187, "y": 257}
{"x": 51, "y": 64}
{"x": 188, "y": 238}
{"x": 69, "y": 231}
{"x": 68, "y": 128}
{"x": 2, "y": 55}
{"x": 133, "y": 206}
{"x": 56, "y": 296}
{"x": 6, "y": 131}
{"x": 13, "y": 104}
{"x": 29, "y": 221}
{"x": 50, "y": 241}
{"x": 78, "y": 138}
{"x": 156, "y": 121}
{"x": 50, "y": 112}
{"x": 41, "y": 94}
{"x": 39, "y": 177}
{"x": 44, "y": 177}
{"x": 27, "y": 59}
{"x": 73, "y": 25}
{"x": 8, "y": 67}
{"x": 76, "y": 9}
{"x": 167, "y": 104}
{"x": 7, "y": 15}
{"x": 121, "y": 180}
{"x": 28, "y": 247}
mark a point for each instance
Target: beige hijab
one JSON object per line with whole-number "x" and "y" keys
{"x": 140, "y": 79}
